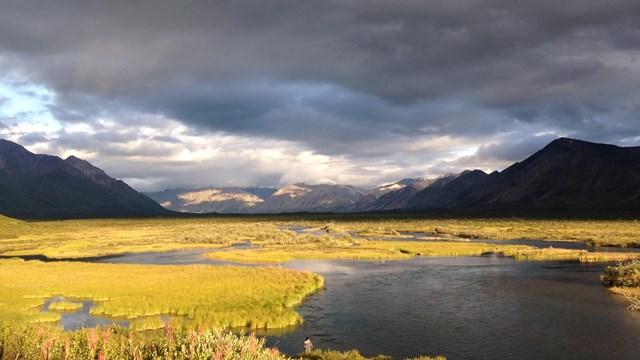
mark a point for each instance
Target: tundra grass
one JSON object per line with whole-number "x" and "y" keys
{"x": 90, "y": 238}
{"x": 65, "y": 306}
{"x": 620, "y": 233}
{"x": 346, "y": 248}
{"x": 361, "y": 249}
{"x": 215, "y": 296}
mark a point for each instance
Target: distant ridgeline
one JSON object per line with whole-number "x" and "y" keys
{"x": 566, "y": 175}
{"x": 46, "y": 187}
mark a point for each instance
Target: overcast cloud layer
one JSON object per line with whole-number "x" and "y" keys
{"x": 194, "y": 93}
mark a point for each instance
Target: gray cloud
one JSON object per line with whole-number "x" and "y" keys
{"x": 341, "y": 78}
{"x": 32, "y": 138}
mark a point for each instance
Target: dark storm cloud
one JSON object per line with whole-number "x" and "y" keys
{"x": 512, "y": 149}
{"x": 33, "y": 138}
{"x": 337, "y": 76}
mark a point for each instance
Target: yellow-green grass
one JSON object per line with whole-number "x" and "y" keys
{"x": 568, "y": 254}
{"x": 86, "y": 238}
{"x": 623, "y": 233}
{"x": 608, "y": 256}
{"x": 89, "y": 238}
{"x": 625, "y": 290}
{"x": 373, "y": 250}
{"x": 65, "y": 306}
{"x": 215, "y": 296}
{"x": 345, "y": 248}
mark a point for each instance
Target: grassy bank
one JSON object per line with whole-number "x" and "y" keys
{"x": 215, "y": 296}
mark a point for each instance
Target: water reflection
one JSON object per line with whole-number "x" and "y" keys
{"x": 486, "y": 307}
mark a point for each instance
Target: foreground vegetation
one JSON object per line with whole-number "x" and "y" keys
{"x": 31, "y": 342}
{"x": 215, "y": 296}
{"x": 113, "y": 342}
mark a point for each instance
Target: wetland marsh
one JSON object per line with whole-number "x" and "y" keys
{"x": 394, "y": 286}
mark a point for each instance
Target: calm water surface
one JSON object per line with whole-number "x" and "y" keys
{"x": 486, "y": 307}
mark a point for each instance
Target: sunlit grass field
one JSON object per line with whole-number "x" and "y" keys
{"x": 361, "y": 249}
{"x": 213, "y": 296}
{"x": 622, "y": 233}
{"x": 87, "y": 238}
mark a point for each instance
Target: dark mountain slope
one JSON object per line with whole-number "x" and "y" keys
{"x": 401, "y": 197}
{"x": 42, "y": 186}
{"x": 448, "y": 191}
{"x": 567, "y": 174}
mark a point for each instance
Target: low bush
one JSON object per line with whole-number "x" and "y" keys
{"x": 623, "y": 275}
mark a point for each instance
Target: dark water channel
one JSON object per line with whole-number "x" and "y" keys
{"x": 487, "y": 307}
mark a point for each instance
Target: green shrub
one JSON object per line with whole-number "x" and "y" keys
{"x": 627, "y": 275}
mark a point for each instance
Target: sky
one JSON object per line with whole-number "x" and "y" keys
{"x": 188, "y": 94}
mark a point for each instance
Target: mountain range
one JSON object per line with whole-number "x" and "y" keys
{"x": 566, "y": 175}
